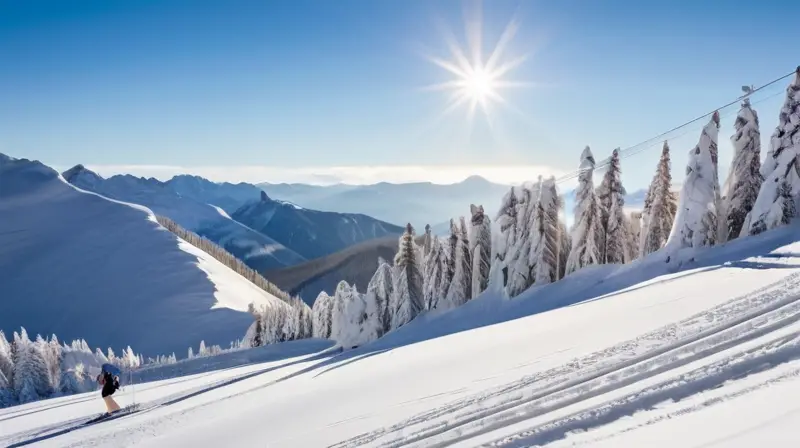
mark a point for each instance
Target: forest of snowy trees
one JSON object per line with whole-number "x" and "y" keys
{"x": 530, "y": 244}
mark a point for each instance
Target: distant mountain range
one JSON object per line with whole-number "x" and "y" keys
{"x": 267, "y": 234}
{"x": 81, "y": 265}
{"x": 419, "y": 203}
{"x": 259, "y": 251}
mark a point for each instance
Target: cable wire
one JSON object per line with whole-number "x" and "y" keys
{"x": 632, "y": 150}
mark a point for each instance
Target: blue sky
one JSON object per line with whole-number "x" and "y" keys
{"x": 319, "y": 90}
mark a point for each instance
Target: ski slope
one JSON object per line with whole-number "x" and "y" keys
{"x": 80, "y": 265}
{"x": 701, "y": 351}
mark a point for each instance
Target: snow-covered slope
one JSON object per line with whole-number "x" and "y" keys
{"x": 80, "y": 265}
{"x": 259, "y": 251}
{"x": 701, "y": 351}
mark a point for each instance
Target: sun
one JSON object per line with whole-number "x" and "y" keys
{"x": 478, "y": 82}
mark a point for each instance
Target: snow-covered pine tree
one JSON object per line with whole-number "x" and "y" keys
{"x": 427, "y": 241}
{"x": 449, "y": 267}
{"x": 7, "y": 398}
{"x": 518, "y": 257}
{"x": 31, "y": 375}
{"x": 696, "y": 221}
{"x": 434, "y": 270}
{"x": 407, "y": 281}
{"x": 190, "y": 353}
{"x": 780, "y": 166}
{"x": 587, "y": 231}
{"x": 460, "y": 290}
{"x": 382, "y": 288}
{"x": 564, "y": 246}
{"x": 744, "y": 178}
{"x": 322, "y": 315}
{"x": 349, "y": 316}
{"x": 506, "y": 223}
{"x": 660, "y": 207}
{"x": 611, "y": 194}
{"x": 6, "y": 363}
{"x": 480, "y": 246}
{"x": 786, "y": 203}
{"x": 544, "y": 253}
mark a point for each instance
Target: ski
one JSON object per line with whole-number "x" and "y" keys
{"x": 127, "y": 410}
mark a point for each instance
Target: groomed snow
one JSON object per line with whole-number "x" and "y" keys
{"x": 80, "y": 265}
{"x": 703, "y": 349}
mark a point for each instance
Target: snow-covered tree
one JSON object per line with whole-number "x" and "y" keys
{"x": 407, "y": 279}
{"x": 564, "y": 247}
{"x": 587, "y": 231}
{"x": 660, "y": 208}
{"x": 427, "y": 241}
{"x": 460, "y": 290}
{"x": 190, "y": 353}
{"x": 7, "y": 397}
{"x": 611, "y": 194}
{"x": 744, "y": 178}
{"x": 545, "y": 239}
{"x": 781, "y": 165}
{"x": 506, "y": 223}
{"x": 322, "y": 314}
{"x": 31, "y": 375}
{"x": 448, "y": 271}
{"x": 696, "y": 220}
{"x": 480, "y": 246}
{"x": 350, "y": 317}
{"x": 381, "y": 289}
{"x": 434, "y": 271}
{"x": 520, "y": 271}
{"x": 6, "y": 363}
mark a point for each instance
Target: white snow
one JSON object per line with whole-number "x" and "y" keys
{"x": 80, "y": 265}
{"x": 703, "y": 349}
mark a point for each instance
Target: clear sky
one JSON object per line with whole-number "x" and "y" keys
{"x": 322, "y": 91}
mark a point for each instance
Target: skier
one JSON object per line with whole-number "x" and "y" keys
{"x": 109, "y": 379}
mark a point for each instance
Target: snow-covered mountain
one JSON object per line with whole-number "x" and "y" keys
{"x": 311, "y": 233}
{"x": 256, "y": 249}
{"x": 701, "y": 351}
{"x": 419, "y": 203}
{"x": 81, "y": 265}
{"x": 229, "y": 197}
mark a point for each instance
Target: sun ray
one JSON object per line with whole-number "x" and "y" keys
{"x": 478, "y": 81}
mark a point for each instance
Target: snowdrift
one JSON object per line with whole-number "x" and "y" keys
{"x": 80, "y": 265}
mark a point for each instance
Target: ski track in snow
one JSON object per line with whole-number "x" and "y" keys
{"x": 721, "y": 328}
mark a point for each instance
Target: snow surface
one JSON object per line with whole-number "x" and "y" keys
{"x": 80, "y": 265}
{"x": 701, "y": 351}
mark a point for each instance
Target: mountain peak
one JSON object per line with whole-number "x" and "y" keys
{"x": 475, "y": 179}
{"x": 79, "y": 170}
{"x": 264, "y": 197}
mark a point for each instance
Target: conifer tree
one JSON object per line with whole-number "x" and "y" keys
{"x": 696, "y": 220}
{"x": 587, "y": 231}
{"x": 564, "y": 247}
{"x": 6, "y": 363}
{"x": 611, "y": 195}
{"x": 780, "y": 166}
{"x": 434, "y": 271}
{"x": 426, "y": 243}
{"x": 460, "y": 289}
{"x": 480, "y": 246}
{"x": 660, "y": 207}
{"x": 407, "y": 281}
{"x": 520, "y": 271}
{"x": 506, "y": 222}
{"x": 322, "y": 315}
{"x": 382, "y": 287}
{"x": 31, "y": 375}
{"x": 744, "y": 178}
{"x": 545, "y": 252}
{"x": 449, "y": 269}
